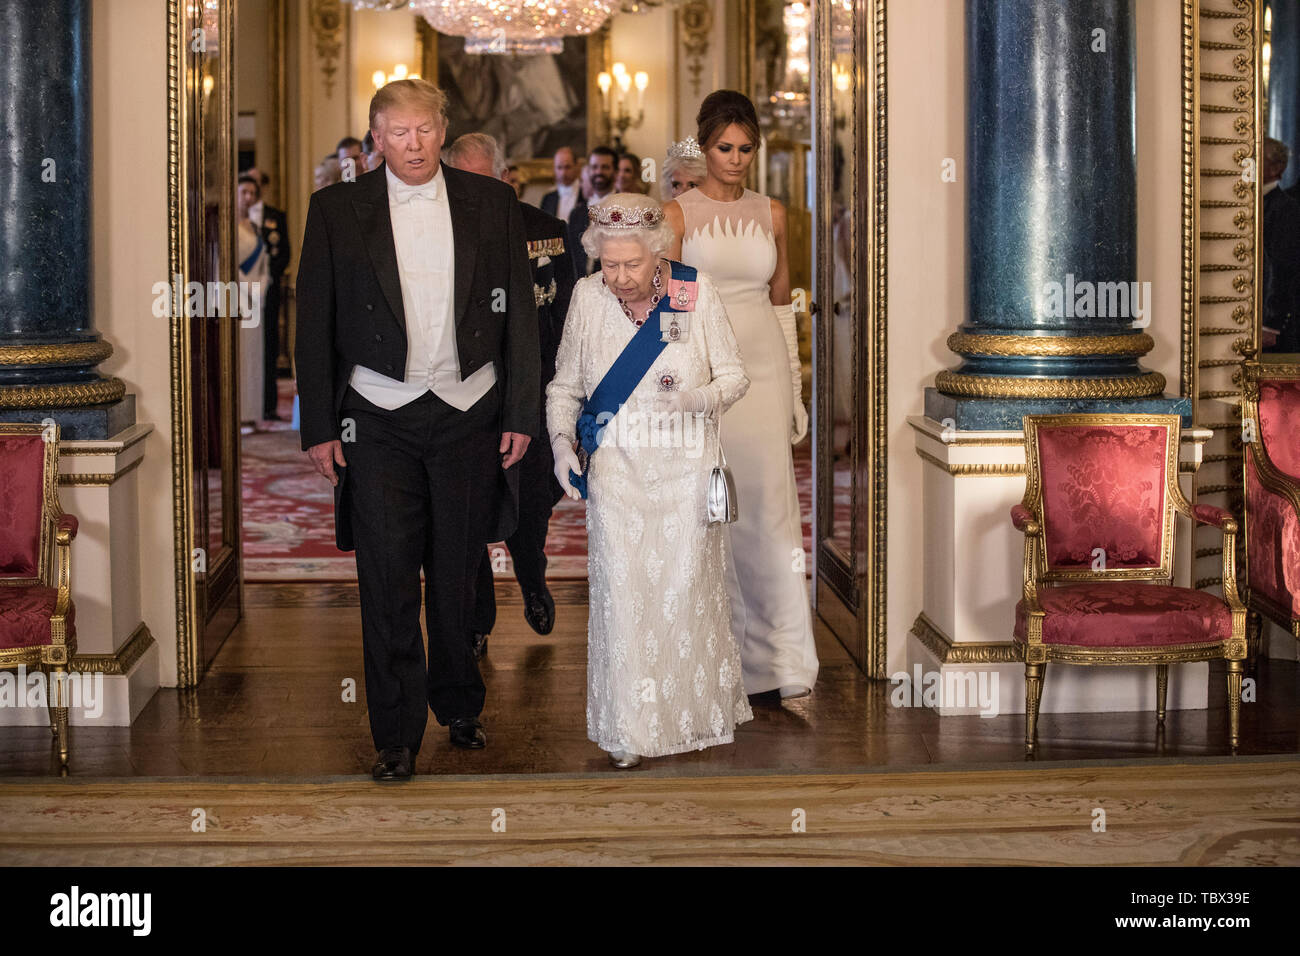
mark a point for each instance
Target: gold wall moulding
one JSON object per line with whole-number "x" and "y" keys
{"x": 970, "y": 470}
{"x": 62, "y": 396}
{"x": 949, "y": 652}
{"x": 965, "y": 343}
{"x": 96, "y": 479}
{"x": 119, "y": 662}
{"x": 997, "y": 386}
{"x": 59, "y": 353}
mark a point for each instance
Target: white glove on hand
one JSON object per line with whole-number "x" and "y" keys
{"x": 690, "y": 401}
{"x": 566, "y": 460}
{"x": 799, "y": 424}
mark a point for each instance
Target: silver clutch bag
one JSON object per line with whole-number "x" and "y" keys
{"x": 721, "y": 504}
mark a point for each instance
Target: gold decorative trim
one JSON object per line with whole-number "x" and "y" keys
{"x": 327, "y": 31}
{"x": 120, "y": 662}
{"x": 974, "y": 471}
{"x": 98, "y": 479}
{"x": 697, "y": 23}
{"x": 74, "y": 395}
{"x": 946, "y": 651}
{"x": 995, "y": 386}
{"x": 60, "y": 353}
{"x": 178, "y": 254}
{"x": 965, "y": 343}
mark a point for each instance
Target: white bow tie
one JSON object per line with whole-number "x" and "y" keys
{"x": 404, "y": 193}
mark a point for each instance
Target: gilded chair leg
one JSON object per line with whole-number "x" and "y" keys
{"x": 1033, "y": 694}
{"x": 58, "y": 688}
{"x": 1234, "y": 703}
{"x": 49, "y": 700}
{"x": 1162, "y": 691}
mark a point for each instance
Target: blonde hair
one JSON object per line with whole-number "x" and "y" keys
{"x": 658, "y": 239}
{"x": 417, "y": 92}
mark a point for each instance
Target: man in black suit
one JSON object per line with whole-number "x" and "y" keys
{"x": 602, "y": 165}
{"x": 553, "y": 279}
{"x": 273, "y": 224}
{"x": 559, "y": 202}
{"x": 1280, "y": 215}
{"x": 417, "y": 359}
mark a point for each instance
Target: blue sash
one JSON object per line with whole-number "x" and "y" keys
{"x": 247, "y": 265}
{"x": 623, "y": 377}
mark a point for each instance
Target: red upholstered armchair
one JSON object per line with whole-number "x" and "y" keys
{"x": 1270, "y": 416}
{"x": 37, "y": 618}
{"x": 1098, "y": 520}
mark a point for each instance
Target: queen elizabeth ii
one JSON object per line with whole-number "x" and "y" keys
{"x": 663, "y": 668}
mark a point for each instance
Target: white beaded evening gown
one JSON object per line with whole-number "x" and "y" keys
{"x": 663, "y": 668}
{"x": 733, "y": 243}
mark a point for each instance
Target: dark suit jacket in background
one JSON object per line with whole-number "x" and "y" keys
{"x": 542, "y": 232}
{"x": 578, "y": 220}
{"x": 1281, "y": 268}
{"x": 350, "y": 310}
{"x": 551, "y": 202}
{"x": 275, "y": 233}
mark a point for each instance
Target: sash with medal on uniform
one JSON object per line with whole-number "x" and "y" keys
{"x": 673, "y": 312}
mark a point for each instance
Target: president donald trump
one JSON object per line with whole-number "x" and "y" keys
{"x": 418, "y": 375}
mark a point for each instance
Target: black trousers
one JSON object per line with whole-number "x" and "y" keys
{"x": 538, "y": 493}
{"x": 421, "y": 489}
{"x": 270, "y": 350}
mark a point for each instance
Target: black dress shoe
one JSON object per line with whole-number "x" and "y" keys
{"x": 394, "y": 763}
{"x": 539, "y": 610}
{"x": 480, "y": 644}
{"x": 468, "y": 733}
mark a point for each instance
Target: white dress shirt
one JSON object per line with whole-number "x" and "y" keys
{"x": 422, "y": 234}
{"x": 568, "y": 199}
{"x": 255, "y": 212}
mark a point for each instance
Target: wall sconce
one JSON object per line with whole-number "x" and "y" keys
{"x": 380, "y": 79}
{"x": 617, "y": 116}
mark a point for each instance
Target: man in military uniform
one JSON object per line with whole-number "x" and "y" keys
{"x": 553, "y": 278}
{"x": 274, "y": 227}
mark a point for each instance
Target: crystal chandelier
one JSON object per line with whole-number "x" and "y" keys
{"x": 521, "y": 27}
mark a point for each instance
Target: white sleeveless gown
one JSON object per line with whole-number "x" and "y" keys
{"x": 770, "y": 615}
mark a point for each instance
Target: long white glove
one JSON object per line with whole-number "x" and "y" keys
{"x": 566, "y": 459}
{"x": 799, "y": 424}
{"x": 690, "y": 401}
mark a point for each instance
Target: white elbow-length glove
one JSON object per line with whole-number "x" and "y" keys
{"x": 566, "y": 460}
{"x": 691, "y": 401}
{"x": 799, "y": 423}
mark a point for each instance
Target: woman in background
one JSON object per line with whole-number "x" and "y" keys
{"x": 254, "y": 275}
{"x": 683, "y": 168}
{"x": 739, "y": 238}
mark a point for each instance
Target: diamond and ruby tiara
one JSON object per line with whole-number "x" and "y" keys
{"x": 686, "y": 149}
{"x": 618, "y": 216}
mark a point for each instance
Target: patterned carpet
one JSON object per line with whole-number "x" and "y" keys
{"x": 288, "y": 511}
{"x": 1237, "y": 813}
